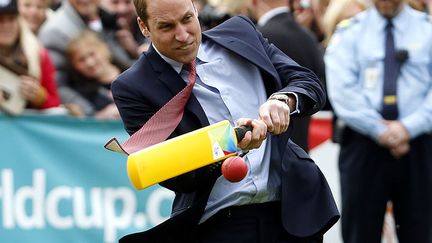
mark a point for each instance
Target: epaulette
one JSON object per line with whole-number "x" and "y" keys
{"x": 346, "y": 23}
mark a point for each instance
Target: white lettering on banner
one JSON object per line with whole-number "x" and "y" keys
{"x": 7, "y": 182}
{"x": 26, "y": 193}
{"x": 154, "y": 203}
{"x": 122, "y": 221}
{"x": 94, "y": 220}
{"x": 53, "y": 200}
{"x": 109, "y": 209}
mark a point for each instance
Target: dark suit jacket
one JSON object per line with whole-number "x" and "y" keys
{"x": 308, "y": 206}
{"x": 301, "y": 45}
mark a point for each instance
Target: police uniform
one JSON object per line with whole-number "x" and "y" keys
{"x": 370, "y": 175}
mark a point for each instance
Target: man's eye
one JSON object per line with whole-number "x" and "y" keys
{"x": 164, "y": 27}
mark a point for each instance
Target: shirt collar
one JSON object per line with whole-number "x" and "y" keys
{"x": 176, "y": 65}
{"x": 399, "y": 21}
{"x": 270, "y": 14}
{"x": 202, "y": 56}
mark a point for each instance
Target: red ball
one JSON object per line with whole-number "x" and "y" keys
{"x": 234, "y": 169}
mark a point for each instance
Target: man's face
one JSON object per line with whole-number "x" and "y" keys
{"x": 388, "y": 8}
{"x": 86, "y": 8}
{"x": 174, "y": 28}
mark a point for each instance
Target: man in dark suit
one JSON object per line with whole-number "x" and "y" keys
{"x": 277, "y": 24}
{"x": 243, "y": 79}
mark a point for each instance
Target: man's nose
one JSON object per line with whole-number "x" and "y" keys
{"x": 181, "y": 33}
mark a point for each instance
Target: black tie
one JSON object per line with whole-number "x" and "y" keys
{"x": 391, "y": 72}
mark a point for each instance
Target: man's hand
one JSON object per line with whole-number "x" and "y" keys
{"x": 396, "y": 138}
{"x": 276, "y": 115}
{"x": 255, "y": 138}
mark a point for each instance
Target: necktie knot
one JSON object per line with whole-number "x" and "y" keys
{"x": 191, "y": 68}
{"x": 389, "y": 25}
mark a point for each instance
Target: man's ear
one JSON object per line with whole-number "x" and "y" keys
{"x": 143, "y": 27}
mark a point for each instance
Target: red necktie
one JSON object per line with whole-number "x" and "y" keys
{"x": 161, "y": 124}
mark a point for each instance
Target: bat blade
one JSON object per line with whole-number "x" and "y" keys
{"x": 181, "y": 154}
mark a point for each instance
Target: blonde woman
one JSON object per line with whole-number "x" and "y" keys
{"x": 35, "y": 12}
{"x": 337, "y": 11}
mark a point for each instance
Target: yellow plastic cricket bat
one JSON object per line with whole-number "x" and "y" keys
{"x": 184, "y": 153}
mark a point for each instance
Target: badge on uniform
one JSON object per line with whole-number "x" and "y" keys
{"x": 371, "y": 76}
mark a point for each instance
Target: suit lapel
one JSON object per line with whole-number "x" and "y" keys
{"x": 173, "y": 82}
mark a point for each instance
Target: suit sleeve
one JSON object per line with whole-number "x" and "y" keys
{"x": 295, "y": 78}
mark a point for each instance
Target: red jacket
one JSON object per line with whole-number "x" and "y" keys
{"x": 47, "y": 80}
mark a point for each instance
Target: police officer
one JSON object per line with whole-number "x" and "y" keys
{"x": 379, "y": 78}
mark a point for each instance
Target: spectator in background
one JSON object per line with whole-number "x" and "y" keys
{"x": 93, "y": 73}
{"x": 237, "y": 7}
{"x": 128, "y": 33}
{"x": 35, "y": 12}
{"x": 379, "y": 76}
{"x": 277, "y": 23}
{"x": 20, "y": 47}
{"x": 55, "y": 4}
{"x": 429, "y": 6}
{"x": 308, "y": 13}
{"x": 200, "y": 4}
{"x": 420, "y": 5}
{"x": 67, "y": 22}
{"x": 211, "y": 15}
{"x": 337, "y": 11}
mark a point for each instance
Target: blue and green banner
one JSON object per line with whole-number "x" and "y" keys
{"x": 58, "y": 183}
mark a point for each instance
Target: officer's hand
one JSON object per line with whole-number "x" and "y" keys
{"x": 395, "y": 135}
{"x": 400, "y": 150}
{"x": 275, "y": 114}
{"x": 252, "y": 139}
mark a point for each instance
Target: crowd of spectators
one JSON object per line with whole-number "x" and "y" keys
{"x": 66, "y": 53}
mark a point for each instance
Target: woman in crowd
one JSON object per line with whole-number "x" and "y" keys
{"x": 35, "y": 12}
{"x": 20, "y": 48}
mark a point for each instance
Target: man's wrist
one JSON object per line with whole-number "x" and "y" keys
{"x": 287, "y": 98}
{"x": 281, "y": 97}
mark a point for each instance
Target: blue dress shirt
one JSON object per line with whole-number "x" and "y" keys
{"x": 228, "y": 88}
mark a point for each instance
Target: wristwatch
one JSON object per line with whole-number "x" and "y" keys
{"x": 281, "y": 97}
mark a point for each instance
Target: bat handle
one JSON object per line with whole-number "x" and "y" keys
{"x": 241, "y": 131}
